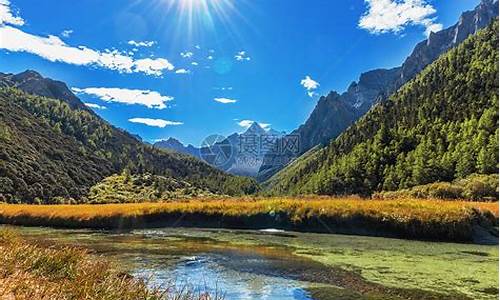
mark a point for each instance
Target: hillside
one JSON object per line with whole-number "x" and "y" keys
{"x": 33, "y": 83}
{"x": 441, "y": 126}
{"x": 336, "y": 112}
{"x": 48, "y": 150}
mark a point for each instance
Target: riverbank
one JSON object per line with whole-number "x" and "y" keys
{"x": 30, "y": 270}
{"x": 458, "y": 221}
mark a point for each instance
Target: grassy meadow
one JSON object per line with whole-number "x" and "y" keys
{"x": 403, "y": 217}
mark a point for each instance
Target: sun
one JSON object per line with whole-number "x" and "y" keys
{"x": 192, "y": 21}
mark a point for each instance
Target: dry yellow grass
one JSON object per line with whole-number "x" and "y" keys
{"x": 29, "y": 270}
{"x": 404, "y": 217}
{"x": 298, "y": 208}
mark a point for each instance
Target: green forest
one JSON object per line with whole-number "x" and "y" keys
{"x": 50, "y": 151}
{"x": 440, "y": 127}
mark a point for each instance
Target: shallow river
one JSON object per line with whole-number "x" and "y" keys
{"x": 288, "y": 265}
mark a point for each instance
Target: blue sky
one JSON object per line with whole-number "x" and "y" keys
{"x": 191, "y": 68}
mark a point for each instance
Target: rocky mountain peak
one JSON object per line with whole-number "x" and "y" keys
{"x": 336, "y": 112}
{"x": 32, "y": 82}
{"x": 439, "y": 42}
{"x": 27, "y": 75}
{"x": 255, "y": 129}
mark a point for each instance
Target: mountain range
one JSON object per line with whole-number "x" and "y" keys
{"x": 336, "y": 112}
{"x": 52, "y": 146}
{"x": 238, "y": 154}
{"x": 441, "y": 126}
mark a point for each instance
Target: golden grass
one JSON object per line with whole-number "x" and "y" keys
{"x": 32, "y": 271}
{"x": 298, "y": 208}
{"x": 407, "y": 217}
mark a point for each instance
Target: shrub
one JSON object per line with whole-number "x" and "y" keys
{"x": 439, "y": 190}
{"x": 473, "y": 187}
{"x": 479, "y": 187}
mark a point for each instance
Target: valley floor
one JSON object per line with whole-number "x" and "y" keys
{"x": 461, "y": 221}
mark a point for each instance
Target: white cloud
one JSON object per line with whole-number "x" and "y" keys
{"x": 6, "y": 16}
{"x": 210, "y": 57}
{"x": 95, "y": 106}
{"x": 150, "y": 99}
{"x": 242, "y": 55}
{"x": 394, "y": 15}
{"x": 311, "y": 94}
{"x": 197, "y": 47}
{"x": 154, "y": 122}
{"x": 66, "y": 33}
{"x": 194, "y": 63}
{"x": 309, "y": 83}
{"x": 433, "y": 27}
{"x": 225, "y": 100}
{"x": 54, "y": 49}
{"x": 182, "y": 71}
{"x": 142, "y": 43}
{"x": 187, "y": 54}
{"x": 248, "y": 123}
{"x": 153, "y": 66}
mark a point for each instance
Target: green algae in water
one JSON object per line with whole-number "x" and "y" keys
{"x": 459, "y": 270}
{"x": 471, "y": 270}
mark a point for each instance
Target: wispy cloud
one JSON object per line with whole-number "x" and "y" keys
{"x": 310, "y": 85}
{"x": 182, "y": 71}
{"x": 66, "y": 33}
{"x": 155, "y": 122}
{"x": 247, "y": 123}
{"x": 242, "y": 56}
{"x": 194, "y": 63}
{"x": 142, "y": 43}
{"x": 54, "y": 49}
{"x": 187, "y": 54}
{"x": 228, "y": 88}
{"x": 6, "y": 15}
{"x": 393, "y": 16}
{"x": 225, "y": 100}
{"x": 150, "y": 99}
{"x": 95, "y": 106}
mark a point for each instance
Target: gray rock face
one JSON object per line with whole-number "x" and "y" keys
{"x": 32, "y": 82}
{"x": 334, "y": 113}
{"x": 439, "y": 42}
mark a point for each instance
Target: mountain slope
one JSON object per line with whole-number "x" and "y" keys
{"x": 48, "y": 149}
{"x": 334, "y": 113}
{"x": 440, "y": 126}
